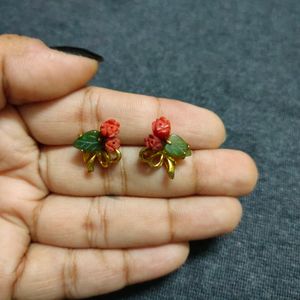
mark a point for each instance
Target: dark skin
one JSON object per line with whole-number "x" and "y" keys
{"x": 61, "y": 235}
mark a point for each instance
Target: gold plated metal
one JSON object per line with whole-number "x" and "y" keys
{"x": 104, "y": 158}
{"x": 157, "y": 159}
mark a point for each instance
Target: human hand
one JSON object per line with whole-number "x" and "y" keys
{"x": 61, "y": 234}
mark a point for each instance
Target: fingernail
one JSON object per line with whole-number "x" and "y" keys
{"x": 79, "y": 51}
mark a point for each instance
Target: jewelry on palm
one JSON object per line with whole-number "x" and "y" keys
{"x": 102, "y": 146}
{"x": 164, "y": 149}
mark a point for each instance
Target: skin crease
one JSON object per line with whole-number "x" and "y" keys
{"x": 61, "y": 235}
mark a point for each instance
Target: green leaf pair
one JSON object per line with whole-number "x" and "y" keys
{"x": 90, "y": 142}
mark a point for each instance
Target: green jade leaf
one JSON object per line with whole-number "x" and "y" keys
{"x": 89, "y": 142}
{"x": 176, "y": 147}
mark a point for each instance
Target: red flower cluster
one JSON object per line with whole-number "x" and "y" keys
{"x": 161, "y": 131}
{"x": 110, "y": 129}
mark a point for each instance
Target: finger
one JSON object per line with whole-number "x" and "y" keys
{"x": 14, "y": 241}
{"x": 111, "y": 222}
{"x": 207, "y": 172}
{"x": 33, "y": 72}
{"x": 60, "y": 122}
{"x": 56, "y": 273}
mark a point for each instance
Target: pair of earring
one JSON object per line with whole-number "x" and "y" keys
{"x": 161, "y": 147}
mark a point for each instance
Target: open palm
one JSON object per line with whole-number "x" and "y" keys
{"x": 68, "y": 234}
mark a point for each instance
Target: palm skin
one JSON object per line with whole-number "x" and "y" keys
{"x": 61, "y": 235}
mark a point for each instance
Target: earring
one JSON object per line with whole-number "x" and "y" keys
{"x": 100, "y": 145}
{"x": 163, "y": 148}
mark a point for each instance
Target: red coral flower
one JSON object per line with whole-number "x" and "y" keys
{"x": 112, "y": 144}
{"x": 161, "y": 128}
{"x": 153, "y": 142}
{"x": 110, "y": 128}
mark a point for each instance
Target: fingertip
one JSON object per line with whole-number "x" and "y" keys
{"x": 248, "y": 181}
{"x": 177, "y": 254}
{"x": 231, "y": 214}
{"x": 238, "y": 172}
{"x": 151, "y": 263}
{"x": 88, "y": 64}
{"x": 182, "y": 253}
{"x": 34, "y": 72}
{"x": 219, "y": 134}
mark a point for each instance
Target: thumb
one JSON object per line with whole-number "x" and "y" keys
{"x": 30, "y": 71}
